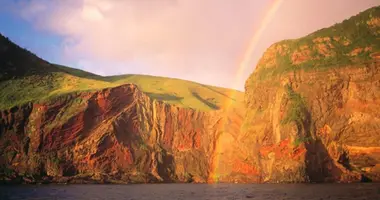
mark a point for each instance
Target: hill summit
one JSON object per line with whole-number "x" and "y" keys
{"x": 353, "y": 41}
{"x": 24, "y": 77}
{"x": 317, "y": 116}
{"x": 311, "y": 114}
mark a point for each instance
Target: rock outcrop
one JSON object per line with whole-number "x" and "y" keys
{"x": 119, "y": 135}
{"x": 313, "y": 105}
{"x": 312, "y": 114}
{"x": 316, "y": 126}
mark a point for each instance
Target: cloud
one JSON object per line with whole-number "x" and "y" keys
{"x": 164, "y": 37}
{"x": 201, "y": 40}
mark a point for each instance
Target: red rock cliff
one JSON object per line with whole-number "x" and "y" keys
{"x": 316, "y": 126}
{"x": 313, "y": 105}
{"x": 120, "y": 135}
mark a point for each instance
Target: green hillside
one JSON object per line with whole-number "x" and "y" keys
{"x": 355, "y": 40}
{"x": 26, "y": 78}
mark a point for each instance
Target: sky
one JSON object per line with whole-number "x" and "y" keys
{"x": 199, "y": 40}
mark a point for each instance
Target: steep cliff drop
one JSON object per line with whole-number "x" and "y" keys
{"x": 312, "y": 114}
{"x": 59, "y": 124}
{"x": 116, "y": 135}
{"x": 317, "y": 118}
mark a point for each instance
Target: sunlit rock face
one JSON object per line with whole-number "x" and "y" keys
{"x": 121, "y": 135}
{"x": 313, "y": 106}
{"x": 59, "y": 124}
{"x": 311, "y": 114}
{"x": 316, "y": 126}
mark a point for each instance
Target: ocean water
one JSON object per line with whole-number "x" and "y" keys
{"x": 368, "y": 191}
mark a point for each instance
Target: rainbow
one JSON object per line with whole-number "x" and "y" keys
{"x": 243, "y": 64}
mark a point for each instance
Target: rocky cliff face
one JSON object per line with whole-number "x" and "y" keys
{"x": 312, "y": 114}
{"x": 119, "y": 135}
{"x": 316, "y": 118}
{"x": 316, "y": 126}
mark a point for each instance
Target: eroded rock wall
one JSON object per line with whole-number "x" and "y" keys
{"x": 316, "y": 126}
{"x": 119, "y": 135}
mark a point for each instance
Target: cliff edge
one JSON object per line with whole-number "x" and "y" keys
{"x": 317, "y": 116}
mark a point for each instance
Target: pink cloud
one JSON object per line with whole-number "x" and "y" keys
{"x": 201, "y": 40}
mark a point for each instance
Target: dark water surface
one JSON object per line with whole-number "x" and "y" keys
{"x": 194, "y": 191}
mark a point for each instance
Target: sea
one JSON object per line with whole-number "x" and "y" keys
{"x": 370, "y": 191}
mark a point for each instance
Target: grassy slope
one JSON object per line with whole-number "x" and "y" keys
{"x": 336, "y": 48}
{"x": 24, "y": 78}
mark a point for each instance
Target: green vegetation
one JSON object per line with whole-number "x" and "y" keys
{"x": 351, "y": 42}
{"x": 71, "y": 109}
{"x": 180, "y": 92}
{"x": 188, "y": 177}
{"x": 10, "y": 155}
{"x": 26, "y": 78}
{"x": 5, "y": 171}
{"x": 299, "y": 114}
{"x": 143, "y": 146}
{"x": 55, "y": 162}
{"x": 297, "y": 111}
{"x": 301, "y": 140}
